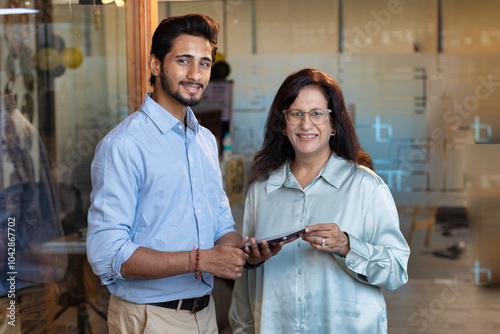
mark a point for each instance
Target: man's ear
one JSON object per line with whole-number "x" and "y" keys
{"x": 154, "y": 65}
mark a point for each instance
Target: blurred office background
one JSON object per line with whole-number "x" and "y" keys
{"x": 421, "y": 79}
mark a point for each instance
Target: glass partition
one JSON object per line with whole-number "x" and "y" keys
{"x": 63, "y": 87}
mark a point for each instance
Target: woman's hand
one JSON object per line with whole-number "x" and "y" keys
{"x": 328, "y": 238}
{"x": 267, "y": 251}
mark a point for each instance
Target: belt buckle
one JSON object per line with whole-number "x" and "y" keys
{"x": 195, "y": 304}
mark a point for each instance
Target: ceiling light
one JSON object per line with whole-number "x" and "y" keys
{"x": 13, "y": 11}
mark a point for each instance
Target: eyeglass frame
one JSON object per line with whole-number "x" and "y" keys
{"x": 306, "y": 113}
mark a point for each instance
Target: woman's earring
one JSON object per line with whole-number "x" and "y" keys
{"x": 333, "y": 132}
{"x": 284, "y": 132}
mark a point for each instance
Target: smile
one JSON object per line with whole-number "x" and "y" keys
{"x": 307, "y": 136}
{"x": 191, "y": 86}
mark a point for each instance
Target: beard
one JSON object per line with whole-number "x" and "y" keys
{"x": 168, "y": 88}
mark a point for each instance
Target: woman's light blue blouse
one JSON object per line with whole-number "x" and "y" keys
{"x": 303, "y": 290}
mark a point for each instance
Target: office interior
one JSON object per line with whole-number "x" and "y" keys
{"x": 421, "y": 79}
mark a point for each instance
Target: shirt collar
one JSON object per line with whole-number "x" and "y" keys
{"x": 164, "y": 120}
{"x": 335, "y": 172}
{"x": 191, "y": 120}
{"x": 277, "y": 178}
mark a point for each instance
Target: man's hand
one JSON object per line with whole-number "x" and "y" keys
{"x": 223, "y": 261}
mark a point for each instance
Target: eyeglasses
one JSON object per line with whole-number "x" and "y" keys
{"x": 317, "y": 116}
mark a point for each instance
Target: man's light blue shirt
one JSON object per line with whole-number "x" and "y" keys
{"x": 304, "y": 290}
{"x": 157, "y": 185}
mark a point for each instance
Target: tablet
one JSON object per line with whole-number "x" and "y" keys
{"x": 274, "y": 240}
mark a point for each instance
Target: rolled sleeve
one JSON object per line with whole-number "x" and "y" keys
{"x": 106, "y": 261}
{"x": 112, "y": 210}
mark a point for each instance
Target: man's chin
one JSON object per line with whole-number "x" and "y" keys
{"x": 186, "y": 101}
{"x": 192, "y": 103}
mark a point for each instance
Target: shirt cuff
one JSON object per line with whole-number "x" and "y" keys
{"x": 123, "y": 255}
{"x": 357, "y": 258}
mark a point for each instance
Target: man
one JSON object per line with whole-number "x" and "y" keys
{"x": 157, "y": 192}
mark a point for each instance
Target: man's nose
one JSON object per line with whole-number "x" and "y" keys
{"x": 194, "y": 73}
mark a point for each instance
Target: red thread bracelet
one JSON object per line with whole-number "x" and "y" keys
{"x": 192, "y": 260}
{"x": 197, "y": 268}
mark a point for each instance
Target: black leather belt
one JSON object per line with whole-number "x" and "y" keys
{"x": 193, "y": 304}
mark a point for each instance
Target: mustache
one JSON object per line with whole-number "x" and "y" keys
{"x": 191, "y": 83}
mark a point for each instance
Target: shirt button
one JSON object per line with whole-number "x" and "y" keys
{"x": 179, "y": 127}
{"x": 299, "y": 299}
{"x": 298, "y": 244}
{"x": 194, "y": 179}
{"x": 199, "y": 211}
{"x": 301, "y": 327}
{"x": 299, "y": 271}
{"x": 201, "y": 243}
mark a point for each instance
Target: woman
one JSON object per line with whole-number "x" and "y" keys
{"x": 312, "y": 173}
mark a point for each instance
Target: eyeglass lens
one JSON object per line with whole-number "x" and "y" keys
{"x": 317, "y": 116}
